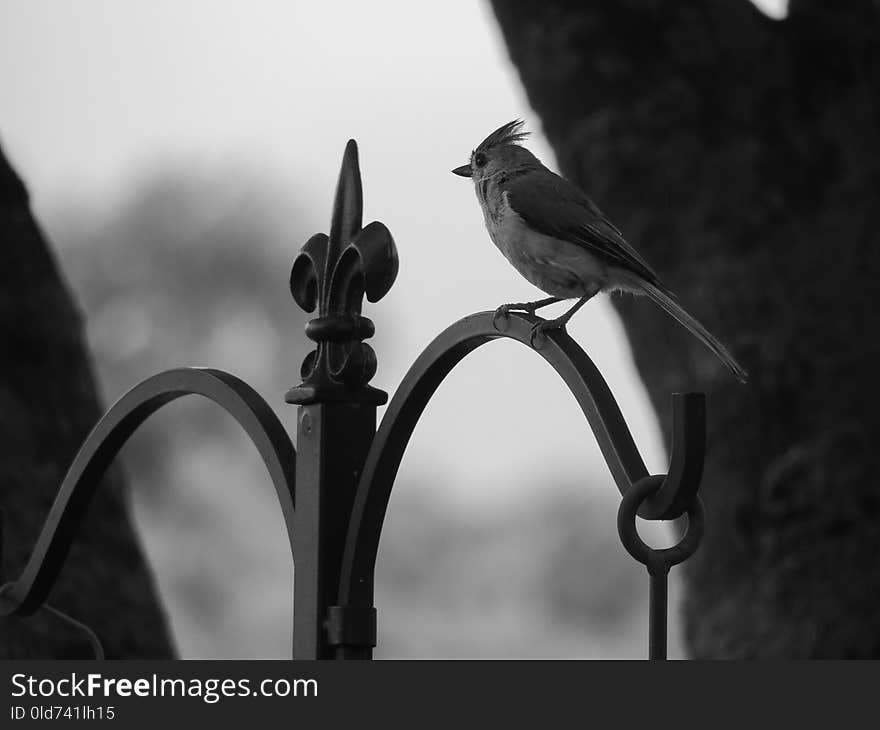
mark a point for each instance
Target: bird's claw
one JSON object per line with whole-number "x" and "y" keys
{"x": 538, "y": 334}
{"x": 500, "y": 313}
{"x": 503, "y": 311}
{"x": 537, "y": 337}
{"x": 539, "y": 329}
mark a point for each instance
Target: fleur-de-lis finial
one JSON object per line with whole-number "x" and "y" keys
{"x": 334, "y": 273}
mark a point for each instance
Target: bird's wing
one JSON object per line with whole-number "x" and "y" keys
{"x": 551, "y": 205}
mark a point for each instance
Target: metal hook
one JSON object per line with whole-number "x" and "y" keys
{"x": 94, "y": 641}
{"x": 29, "y": 591}
{"x": 91, "y": 636}
{"x": 678, "y": 488}
{"x": 673, "y": 493}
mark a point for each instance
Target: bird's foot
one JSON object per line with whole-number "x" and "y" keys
{"x": 538, "y": 335}
{"x": 528, "y": 307}
{"x": 502, "y": 312}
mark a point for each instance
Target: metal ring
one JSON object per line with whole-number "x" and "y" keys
{"x": 657, "y": 558}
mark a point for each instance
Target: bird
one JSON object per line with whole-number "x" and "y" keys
{"x": 560, "y": 241}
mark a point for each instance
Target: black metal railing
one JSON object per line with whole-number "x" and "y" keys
{"x": 334, "y": 490}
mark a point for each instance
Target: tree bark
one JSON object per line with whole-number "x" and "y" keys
{"x": 48, "y": 404}
{"x": 741, "y": 156}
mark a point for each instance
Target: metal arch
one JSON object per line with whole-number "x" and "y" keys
{"x": 28, "y": 593}
{"x": 673, "y": 497}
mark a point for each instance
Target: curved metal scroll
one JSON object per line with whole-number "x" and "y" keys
{"x": 674, "y": 496}
{"x": 27, "y": 594}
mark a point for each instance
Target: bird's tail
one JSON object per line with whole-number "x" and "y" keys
{"x": 692, "y": 325}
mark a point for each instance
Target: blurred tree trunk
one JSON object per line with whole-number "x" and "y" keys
{"x": 741, "y": 155}
{"x": 48, "y": 404}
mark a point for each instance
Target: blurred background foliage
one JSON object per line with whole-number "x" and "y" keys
{"x": 190, "y": 268}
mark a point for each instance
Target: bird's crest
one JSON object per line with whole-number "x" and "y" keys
{"x": 510, "y": 133}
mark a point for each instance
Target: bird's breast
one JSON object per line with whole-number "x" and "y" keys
{"x": 560, "y": 268}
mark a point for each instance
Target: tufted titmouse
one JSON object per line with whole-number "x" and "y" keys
{"x": 557, "y": 238}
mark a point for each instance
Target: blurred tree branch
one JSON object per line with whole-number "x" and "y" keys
{"x": 48, "y": 404}
{"x": 742, "y": 156}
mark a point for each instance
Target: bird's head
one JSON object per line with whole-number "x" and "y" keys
{"x": 499, "y": 152}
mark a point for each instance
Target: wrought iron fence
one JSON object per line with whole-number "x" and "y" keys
{"x": 334, "y": 489}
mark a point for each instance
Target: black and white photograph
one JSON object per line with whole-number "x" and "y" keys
{"x": 477, "y": 330}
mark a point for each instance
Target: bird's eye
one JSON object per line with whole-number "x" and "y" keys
{"x": 479, "y": 159}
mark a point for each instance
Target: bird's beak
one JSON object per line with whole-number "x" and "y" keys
{"x": 463, "y": 171}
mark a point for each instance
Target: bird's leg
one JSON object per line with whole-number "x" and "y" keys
{"x": 539, "y": 329}
{"x": 528, "y": 307}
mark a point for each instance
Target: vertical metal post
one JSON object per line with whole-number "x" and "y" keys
{"x": 332, "y": 444}
{"x": 337, "y": 410}
{"x": 657, "y": 603}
